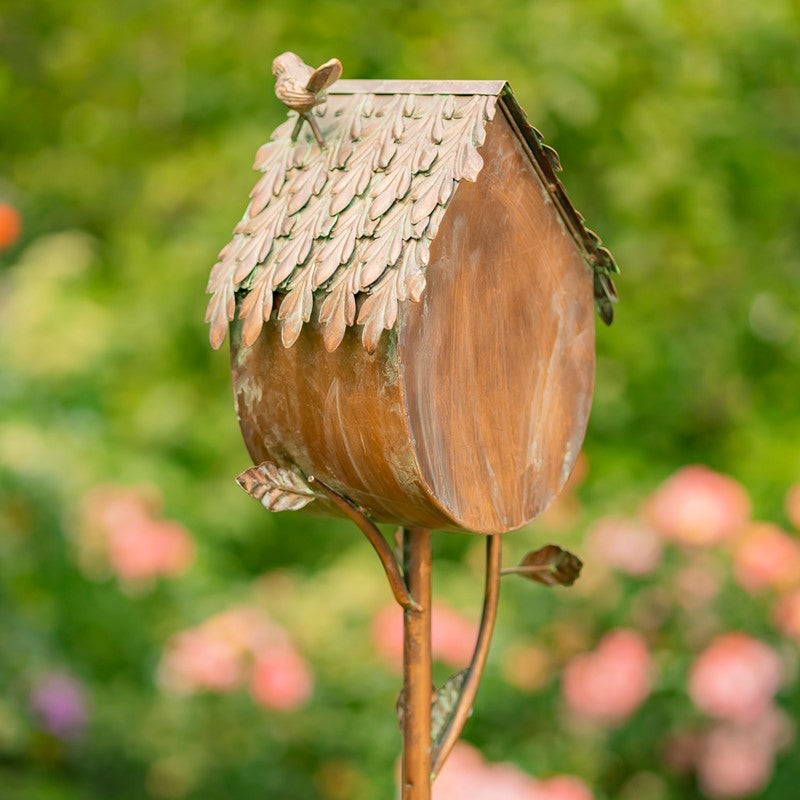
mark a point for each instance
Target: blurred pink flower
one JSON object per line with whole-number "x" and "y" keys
{"x": 766, "y": 557}
{"x": 562, "y": 787}
{"x": 280, "y": 678}
{"x": 467, "y": 775}
{"x": 774, "y": 728}
{"x": 245, "y": 629}
{"x": 733, "y": 763}
{"x": 792, "y": 505}
{"x": 463, "y": 774}
{"x": 149, "y": 548}
{"x": 197, "y": 659}
{"x": 234, "y": 647}
{"x": 59, "y": 701}
{"x": 122, "y": 527}
{"x": 452, "y": 635}
{"x": 608, "y": 684}
{"x": 387, "y": 634}
{"x": 735, "y": 677}
{"x": 625, "y": 544}
{"x": 697, "y": 506}
{"x": 786, "y": 614}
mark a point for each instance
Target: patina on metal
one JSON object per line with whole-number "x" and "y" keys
{"x": 409, "y": 295}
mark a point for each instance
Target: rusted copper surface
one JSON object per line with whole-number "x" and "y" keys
{"x": 474, "y": 673}
{"x": 338, "y": 416}
{"x": 417, "y": 671}
{"x": 497, "y": 378}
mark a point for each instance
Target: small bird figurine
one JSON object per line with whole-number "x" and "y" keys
{"x": 300, "y": 88}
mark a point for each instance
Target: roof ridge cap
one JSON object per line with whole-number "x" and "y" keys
{"x": 456, "y": 87}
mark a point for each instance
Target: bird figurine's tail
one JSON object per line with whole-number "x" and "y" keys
{"x": 324, "y": 76}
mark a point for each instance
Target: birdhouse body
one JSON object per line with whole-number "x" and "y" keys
{"x": 453, "y": 390}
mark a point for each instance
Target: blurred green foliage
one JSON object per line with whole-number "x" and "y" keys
{"x": 127, "y": 132}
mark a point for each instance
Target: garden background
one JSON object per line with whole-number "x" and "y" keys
{"x": 161, "y": 636}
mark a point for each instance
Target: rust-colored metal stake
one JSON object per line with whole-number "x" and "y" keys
{"x": 417, "y": 679}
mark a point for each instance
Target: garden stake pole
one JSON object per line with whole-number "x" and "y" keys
{"x": 384, "y": 423}
{"x": 417, "y": 677}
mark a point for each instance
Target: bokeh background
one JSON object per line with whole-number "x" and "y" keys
{"x": 161, "y": 636}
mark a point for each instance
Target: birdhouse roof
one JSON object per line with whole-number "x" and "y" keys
{"x": 344, "y": 233}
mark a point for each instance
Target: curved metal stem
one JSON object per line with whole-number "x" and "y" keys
{"x": 376, "y": 539}
{"x": 475, "y": 670}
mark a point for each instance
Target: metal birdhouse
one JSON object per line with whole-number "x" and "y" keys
{"x": 410, "y": 303}
{"x": 409, "y": 295}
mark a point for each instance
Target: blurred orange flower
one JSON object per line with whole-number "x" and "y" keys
{"x": 562, "y": 787}
{"x": 10, "y": 225}
{"x": 199, "y": 659}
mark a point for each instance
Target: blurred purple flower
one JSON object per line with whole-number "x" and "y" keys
{"x": 59, "y": 701}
